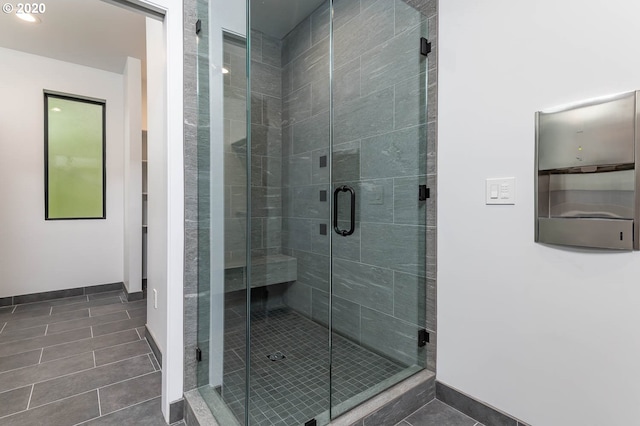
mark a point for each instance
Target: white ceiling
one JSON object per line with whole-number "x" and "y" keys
{"x": 278, "y": 17}
{"x": 85, "y": 32}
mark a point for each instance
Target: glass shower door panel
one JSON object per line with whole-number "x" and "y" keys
{"x": 289, "y": 256}
{"x": 379, "y": 149}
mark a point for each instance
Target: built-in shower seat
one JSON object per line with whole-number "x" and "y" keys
{"x": 265, "y": 271}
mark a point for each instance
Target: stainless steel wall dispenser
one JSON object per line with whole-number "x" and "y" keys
{"x": 586, "y": 180}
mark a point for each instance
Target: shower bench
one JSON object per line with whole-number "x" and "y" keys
{"x": 265, "y": 271}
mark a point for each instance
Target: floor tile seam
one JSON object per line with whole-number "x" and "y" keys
{"x": 51, "y": 300}
{"x": 115, "y": 304}
{"x": 40, "y": 360}
{"x": 40, "y": 347}
{"x": 112, "y": 412}
{"x": 466, "y": 415}
{"x": 83, "y": 307}
{"x": 99, "y": 405}
{"x": 94, "y": 325}
{"x": 48, "y": 403}
{"x": 87, "y": 338}
{"x": 46, "y": 380}
{"x": 151, "y": 361}
{"x": 91, "y": 350}
{"x": 21, "y": 330}
{"x": 45, "y": 323}
{"x": 30, "y": 395}
{"x": 3, "y": 326}
{"x": 93, "y": 389}
{"x": 75, "y": 372}
{"x": 123, "y": 359}
{"x": 132, "y": 378}
{"x": 27, "y": 315}
{"x": 133, "y": 328}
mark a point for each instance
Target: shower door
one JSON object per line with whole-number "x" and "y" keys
{"x": 312, "y": 269}
{"x": 379, "y": 160}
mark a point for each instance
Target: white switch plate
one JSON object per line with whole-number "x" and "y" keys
{"x": 501, "y": 190}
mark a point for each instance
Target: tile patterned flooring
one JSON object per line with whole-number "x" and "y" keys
{"x": 78, "y": 361}
{"x": 437, "y": 413}
{"x": 295, "y": 389}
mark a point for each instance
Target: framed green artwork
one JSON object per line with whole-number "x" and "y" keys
{"x": 74, "y": 151}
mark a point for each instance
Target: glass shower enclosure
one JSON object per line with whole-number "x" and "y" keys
{"x": 312, "y": 219}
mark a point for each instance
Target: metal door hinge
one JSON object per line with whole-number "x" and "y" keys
{"x": 198, "y": 354}
{"x": 198, "y": 26}
{"x": 423, "y": 337}
{"x": 425, "y": 46}
{"x": 423, "y": 192}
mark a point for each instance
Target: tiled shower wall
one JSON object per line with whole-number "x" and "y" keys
{"x": 266, "y": 156}
{"x": 379, "y": 125}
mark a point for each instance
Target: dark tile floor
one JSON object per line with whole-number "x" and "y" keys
{"x": 437, "y": 413}
{"x": 295, "y": 389}
{"x": 78, "y": 360}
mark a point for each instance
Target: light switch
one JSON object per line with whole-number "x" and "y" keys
{"x": 501, "y": 191}
{"x": 494, "y": 192}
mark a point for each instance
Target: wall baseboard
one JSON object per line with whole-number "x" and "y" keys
{"x": 474, "y": 408}
{"x": 153, "y": 345}
{"x": 176, "y": 411}
{"x": 132, "y": 297}
{"x": 59, "y": 294}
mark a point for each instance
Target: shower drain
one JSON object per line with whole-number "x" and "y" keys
{"x": 276, "y": 356}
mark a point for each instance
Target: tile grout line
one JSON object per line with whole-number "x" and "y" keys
{"x": 112, "y": 412}
{"x": 68, "y": 331}
{"x": 99, "y": 405}
{"x": 82, "y": 371}
{"x": 46, "y": 330}
{"x": 151, "y": 361}
{"x": 126, "y": 380}
{"x": 40, "y": 360}
{"x": 94, "y": 358}
{"x": 14, "y": 308}
{"x": 3, "y": 326}
{"x": 139, "y": 337}
{"x": 127, "y": 312}
{"x": 98, "y": 390}
{"x": 48, "y": 403}
{"x": 50, "y": 311}
{"x": 30, "y": 395}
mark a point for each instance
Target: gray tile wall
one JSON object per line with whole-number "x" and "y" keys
{"x": 305, "y": 141}
{"x": 266, "y": 154}
{"x": 380, "y": 149}
{"x": 191, "y": 195}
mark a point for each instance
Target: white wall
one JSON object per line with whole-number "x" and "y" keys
{"x": 165, "y": 146}
{"x": 132, "y": 175}
{"x": 38, "y": 255}
{"x": 547, "y": 334}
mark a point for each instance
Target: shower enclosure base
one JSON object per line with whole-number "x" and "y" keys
{"x": 388, "y": 407}
{"x": 295, "y": 388}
